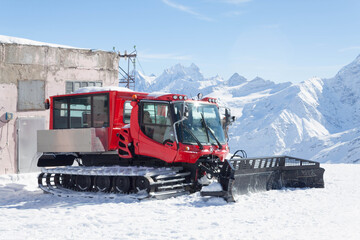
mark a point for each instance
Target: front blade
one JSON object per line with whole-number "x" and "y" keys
{"x": 240, "y": 176}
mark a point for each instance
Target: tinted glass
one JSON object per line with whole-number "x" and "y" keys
{"x": 81, "y": 112}
{"x": 60, "y": 114}
{"x": 156, "y": 122}
{"x": 100, "y": 111}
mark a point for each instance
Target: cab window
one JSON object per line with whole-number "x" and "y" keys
{"x": 81, "y": 111}
{"x": 156, "y": 122}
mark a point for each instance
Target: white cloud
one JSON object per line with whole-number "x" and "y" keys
{"x": 186, "y": 10}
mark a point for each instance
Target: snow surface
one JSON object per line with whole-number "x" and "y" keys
{"x": 101, "y": 89}
{"x": 8, "y": 39}
{"x": 212, "y": 187}
{"x": 317, "y": 119}
{"x": 329, "y": 213}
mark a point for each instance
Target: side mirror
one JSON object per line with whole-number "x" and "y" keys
{"x": 47, "y": 103}
{"x": 228, "y": 118}
{"x": 186, "y": 111}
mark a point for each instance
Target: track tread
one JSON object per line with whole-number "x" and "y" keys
{"x": 160, "y": 179}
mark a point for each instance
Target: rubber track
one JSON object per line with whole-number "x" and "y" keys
{"x": 164, "y": 182}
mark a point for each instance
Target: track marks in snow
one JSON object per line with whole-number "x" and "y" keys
{"x": 330, "y": 213}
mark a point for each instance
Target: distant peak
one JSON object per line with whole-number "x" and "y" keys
{"x": 177, "y": 66}
{"x": 236, "y": 79}
{"x": 351, "y": 70}
{"x": 194, "y": 66}
{"x": 258, "y": 79}
{"x": 358, "y": 57}
{"x": 356, "y": 61}
{"x": 178, "y": 71}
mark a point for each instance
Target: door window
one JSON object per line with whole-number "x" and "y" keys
{"x": 127, "y": 111}
{"x": 156, "y": 122}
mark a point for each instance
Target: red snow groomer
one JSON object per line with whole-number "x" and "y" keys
{"x": 115, "y": 142}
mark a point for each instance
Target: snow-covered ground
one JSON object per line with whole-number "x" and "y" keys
{"x": 330, "y": 213}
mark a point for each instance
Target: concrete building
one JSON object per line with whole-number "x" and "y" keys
{"x": 30, "y": 72}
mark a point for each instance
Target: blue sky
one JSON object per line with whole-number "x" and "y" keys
{"x": 278, "y": 40}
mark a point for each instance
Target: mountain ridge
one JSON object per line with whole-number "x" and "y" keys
{"x": 315, "y": 119}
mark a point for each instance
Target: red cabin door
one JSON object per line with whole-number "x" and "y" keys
{"x": 156, "y": 135}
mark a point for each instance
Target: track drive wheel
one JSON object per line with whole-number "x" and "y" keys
{"x": 102, "y": 183}
{"x": 67, "y": 181}
{"x": 142, "y": 183}
{"x": 121, "y": 184}
{"x": 83, "y": 182}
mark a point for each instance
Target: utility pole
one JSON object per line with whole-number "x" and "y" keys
{"x": 127, "y": 77}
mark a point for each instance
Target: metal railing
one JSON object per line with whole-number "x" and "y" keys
{"x": 239, "y": 163}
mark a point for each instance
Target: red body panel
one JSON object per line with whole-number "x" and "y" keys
{"x": 143, "y": 145}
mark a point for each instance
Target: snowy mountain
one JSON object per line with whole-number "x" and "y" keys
{"x": 316, "y": 119}
{"x": 179, "y": 79}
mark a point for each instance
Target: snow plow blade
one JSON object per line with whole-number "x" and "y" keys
{"x": 243, "y": 175}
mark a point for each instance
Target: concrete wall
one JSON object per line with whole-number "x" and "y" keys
{"x": 52, "y": 65}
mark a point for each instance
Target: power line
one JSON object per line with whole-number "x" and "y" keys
{"x": 140, "y": 65}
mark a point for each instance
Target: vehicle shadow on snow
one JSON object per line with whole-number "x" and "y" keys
{"x": 208, "y": 202}
{"x": 16, "y": 196}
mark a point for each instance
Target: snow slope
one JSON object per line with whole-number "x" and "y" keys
{"x": 317, "y": 119}
{"x": 329, "y": 213}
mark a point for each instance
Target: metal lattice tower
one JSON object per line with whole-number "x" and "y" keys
{"x": 128, "y": 77}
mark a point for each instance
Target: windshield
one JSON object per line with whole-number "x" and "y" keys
{"x": 203, "y": 122}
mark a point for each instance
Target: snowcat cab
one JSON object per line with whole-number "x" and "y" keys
{"x": 112, "y": 141}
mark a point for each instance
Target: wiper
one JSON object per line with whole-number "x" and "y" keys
{"x": 208, "y": 129}
{"x": 195, "y": 138}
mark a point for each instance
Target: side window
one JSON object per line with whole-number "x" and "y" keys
{"x": 60, "y": 114}
{"x": 127, "y": 112}
{"x": 80, "y": 112}
{"x": 156, "y": 122}
{"x": 100, "y": 111}
{"x": 72, "y": 86}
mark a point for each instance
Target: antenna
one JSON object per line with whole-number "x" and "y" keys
{"x": 127, "y": 77}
